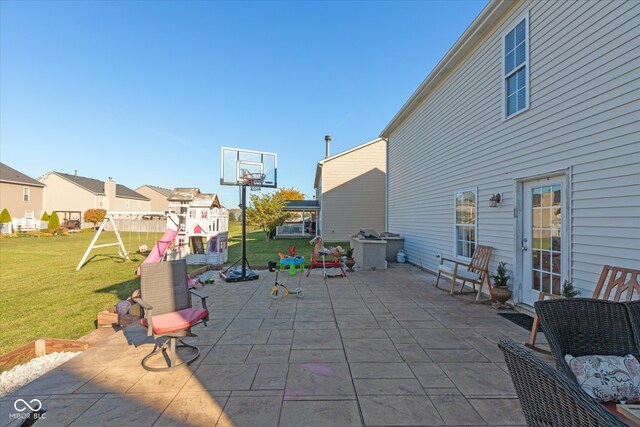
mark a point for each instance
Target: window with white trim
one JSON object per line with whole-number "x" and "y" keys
{"x": 127, "y": 204}
{"x": 516, "y": 68}
{"x": 100, "y": 201}
{"x": 465, "y": 224}
{"x": 25, "y": 194}
{"x": 29, "y": 215}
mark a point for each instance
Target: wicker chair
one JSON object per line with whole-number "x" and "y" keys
{"x": 634, "y": 313}
{"x": 586, "y": 326}
{"x": 166, "y": 301}
{"x": 547, "y": 397}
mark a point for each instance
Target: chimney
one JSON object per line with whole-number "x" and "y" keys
{"x": 110, "y": 194}
{"x": 75, "y": 172}
{"x": 327, "y": 139}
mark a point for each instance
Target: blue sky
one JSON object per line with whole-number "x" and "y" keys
{"x": 148, "y": 92}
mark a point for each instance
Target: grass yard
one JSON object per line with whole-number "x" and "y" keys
{"x": 41, "y": 294}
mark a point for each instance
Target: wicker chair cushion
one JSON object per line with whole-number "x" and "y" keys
{"x": 176, "y": 321}
{"x": 607, "y": 378}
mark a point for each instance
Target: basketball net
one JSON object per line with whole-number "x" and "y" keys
{"x": 254, "y": 180}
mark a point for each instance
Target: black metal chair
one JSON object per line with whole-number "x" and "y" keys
{"x": 586, "y": 326}
{"x": 165, "y": 298}
{"x": 548, "y": 397}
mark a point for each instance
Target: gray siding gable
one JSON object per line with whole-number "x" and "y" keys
{"x": 583, "y": 121}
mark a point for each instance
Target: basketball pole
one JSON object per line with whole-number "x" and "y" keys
{"x": 244, "y": 231}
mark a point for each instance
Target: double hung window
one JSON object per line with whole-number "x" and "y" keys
{"x": 465, "y": 224}
{"x": 516, "y": 69}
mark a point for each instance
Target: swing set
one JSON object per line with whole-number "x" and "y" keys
{"x": 114, "y": 218}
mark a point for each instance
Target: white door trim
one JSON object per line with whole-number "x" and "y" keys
{"x": 518, "y": 223}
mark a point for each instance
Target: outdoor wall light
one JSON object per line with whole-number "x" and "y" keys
{"x": 494, "y": 200}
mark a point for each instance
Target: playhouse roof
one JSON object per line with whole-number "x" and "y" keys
{"x": 183, "y": 194}
{"x": 208, "y": 200}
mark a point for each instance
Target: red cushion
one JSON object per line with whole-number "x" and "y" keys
{"x": 176, "y": 321}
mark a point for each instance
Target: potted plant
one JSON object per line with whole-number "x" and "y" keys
{"x": 349, "y": 262}
{"x": 500, "y": 291}
{"x": 568, "y": 290}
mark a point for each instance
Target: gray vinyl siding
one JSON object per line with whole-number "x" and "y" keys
{"x": 583, "y": 120}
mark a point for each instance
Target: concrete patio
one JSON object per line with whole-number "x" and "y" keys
{"x": 375, "y": 348}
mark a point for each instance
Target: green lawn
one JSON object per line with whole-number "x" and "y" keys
{"x": 41, "y": 294}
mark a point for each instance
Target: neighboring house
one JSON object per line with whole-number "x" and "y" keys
{"x": 157, "y": 195}
{"x": 22, "y": 196}
{"x": 72, "y": 195}
{"x": 537, "y": 103}
{"x": 351, "y": 189}
{"x": 202, "y": 229}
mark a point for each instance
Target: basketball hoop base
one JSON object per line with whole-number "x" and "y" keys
{"x": 234, "y": 274}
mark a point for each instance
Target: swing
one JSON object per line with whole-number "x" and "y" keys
{"x": 142, "y": 247}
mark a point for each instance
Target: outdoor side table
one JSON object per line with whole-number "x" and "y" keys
{"x": 292, "y": 262}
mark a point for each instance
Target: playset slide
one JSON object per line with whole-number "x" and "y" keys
{"x": 157, "y": 253}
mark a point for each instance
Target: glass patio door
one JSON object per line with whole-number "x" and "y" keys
{"x": 543, "y": 257}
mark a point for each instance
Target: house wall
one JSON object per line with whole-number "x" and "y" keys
{"x": 63, "y": 195}
{"x": 134, "y": 205}
{"x": 353, "y": 192}
{"x": 584, "y": 119}
{"x": 11, "y": 198}
{"x": 159, "y": 202}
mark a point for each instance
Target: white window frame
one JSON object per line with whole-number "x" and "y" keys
{"x": 100, "y": 201}
{"x": 127, "y": 203}
{"x": 29, "y": 216}
{"x": 474, "y": 190}
{"x": 504, "y": 76}
{"x": 26, "y": 194}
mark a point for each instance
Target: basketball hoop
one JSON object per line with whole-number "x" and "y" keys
{"x": 253, "y": 180}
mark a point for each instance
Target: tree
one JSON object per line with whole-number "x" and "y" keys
{"x": 4, "y": 216}
{"x": 286, "y": 194}
{"x": 45, "y": 216}
{"x": 266, "y": 212}
{"x": 94, "y": 215}
{"x": 54, "y": 221}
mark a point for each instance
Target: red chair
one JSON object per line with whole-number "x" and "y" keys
{"x": 165, "y": 298}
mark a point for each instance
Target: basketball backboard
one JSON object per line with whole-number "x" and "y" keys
{"x": 235, "y": 162}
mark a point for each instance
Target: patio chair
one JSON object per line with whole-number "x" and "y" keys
{"x": 634, "y": 313}
{"x": 621, "y": 284}
{"x": 548, "y": 397}
{"x": 476, "y": 271}
{"x": 165, "y": 298}
{"x": 586, "y": 326}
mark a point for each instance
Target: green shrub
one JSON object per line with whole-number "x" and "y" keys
{"x": 45, "y": 216}
{"x": 54, "y": 221}
{"x": 4, "y": 216}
